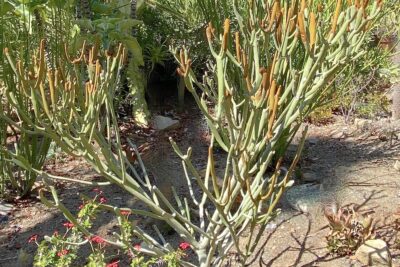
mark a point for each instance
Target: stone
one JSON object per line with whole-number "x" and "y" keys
{"x": 312, "y": 141}
{"x": 162, "y": 123}
{"x": 397, "y": 165}
{"x": 374, "y": 252}
{"x": 338, "y": 135}
{"x": 304, "y": 198}
{"x": 310, "y": 177}
{"x": 5, "y": 208}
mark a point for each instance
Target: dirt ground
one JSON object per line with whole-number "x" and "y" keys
{"x": 350, "y": 164}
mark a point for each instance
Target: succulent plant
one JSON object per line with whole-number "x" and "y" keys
{"x": 348, "y": 230}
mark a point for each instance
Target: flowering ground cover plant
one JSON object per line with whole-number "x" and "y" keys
{"x": 61, "y": 249}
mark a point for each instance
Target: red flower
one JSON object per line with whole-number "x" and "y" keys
{"x": 33, "y": 238}
{"x": 125, "y": 212}
{"x": 103, "y": 200}
{"x": 97, "y": 239}
{"x": 62, "y": 252}
{"x": 137, "y": 247}
{"x": 68, "y": 225}
{"x": 184, "y": 245}
{"x": 98, "y": 191}
{"x": 113, "y": 264}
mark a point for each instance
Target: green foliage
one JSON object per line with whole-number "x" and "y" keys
{"x": 360, "y": 88}
{"x": 62, "y": 250}
{"x": 58, "y": 254}
{"x": 26, "y": 149}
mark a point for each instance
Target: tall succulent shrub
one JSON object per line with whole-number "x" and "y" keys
{"x": 32, "y": 148}
{"x": 265, "y": 77}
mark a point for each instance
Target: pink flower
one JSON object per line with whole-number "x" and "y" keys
{"x": 97, "y": 239}
{"x": 137, "y": 247}
{"x": 125, "y": 212}
{"x": 184, "y": 246}
{"x": 81, "y": 206}
{"x": 113, "y": 264}
{"x": 68, "y": 225}
{"x": 62, "y": 252}
{"x": 55, "y": 233}
{"x": 98, "y": 191}
{"x": 33, "y": 238}
{"x": 103, "y": 200}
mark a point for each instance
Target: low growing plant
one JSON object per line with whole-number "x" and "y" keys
{"x": 62, "y": 248}
{"x": 348, "y": 230}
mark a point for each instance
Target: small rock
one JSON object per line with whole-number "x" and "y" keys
{"x": 305, "y": 197}
{"x": 374, "y": 252}
{"x": 162, "y": 123}
{"x": 310, "y": 177}
{"x": 338, "y": 135}
{"x": 312, "y": 141}
{"x": 397, "y": 165}
{"x": 271, "y": 226}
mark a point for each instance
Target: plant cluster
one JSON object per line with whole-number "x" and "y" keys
{"x": 62, "y": 248}
{"x": 348, "y": 230}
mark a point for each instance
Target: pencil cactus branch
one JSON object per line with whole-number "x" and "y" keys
{"x": 264, "y": 83}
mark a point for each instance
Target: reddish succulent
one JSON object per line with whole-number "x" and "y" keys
{"x": 125, "y": 212}
{"x": 113, "y": 264}
{"x": 97, "y": 239}
{"x": 184, "y": 246}
{"x": 68, "y": 225}
{"x": 33, "y": 238}
{"x": 137, "y": 247}
{"x": 62, "y": 252}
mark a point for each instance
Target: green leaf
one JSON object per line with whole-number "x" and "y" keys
{"x": 126, "y": 25}
{"x": 33, "y": 3}
{"x": 6, "y": 7}
{"x": 22, "y": 162}
{"x": 104, "y": 26}
{"x": 100, "y": 8}
{"x": 57, "y": 3}
{"x": 133, "y": 46}
{"x": 84, "y": 23}
{"x": 124, "y": 7}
